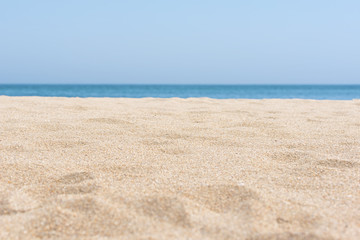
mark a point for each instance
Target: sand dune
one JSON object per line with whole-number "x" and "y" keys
{"x": 179, "y": 169}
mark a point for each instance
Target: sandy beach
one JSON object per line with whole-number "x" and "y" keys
{"x": 195, "y": 168}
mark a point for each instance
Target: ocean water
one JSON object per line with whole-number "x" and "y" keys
{"x": 338, "y": 92}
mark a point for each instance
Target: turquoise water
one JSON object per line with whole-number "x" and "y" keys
{"x": 339, "y": 92}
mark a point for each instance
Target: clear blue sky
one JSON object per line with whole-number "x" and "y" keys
{"x": 187, "y": 41}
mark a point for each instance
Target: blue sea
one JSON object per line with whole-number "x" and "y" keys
{"x": 338, "y": 92}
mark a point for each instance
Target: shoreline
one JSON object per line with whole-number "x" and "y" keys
{"x": 182, "y": 98}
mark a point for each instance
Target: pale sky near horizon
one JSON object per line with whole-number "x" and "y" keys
{"x": 180, "y": 42}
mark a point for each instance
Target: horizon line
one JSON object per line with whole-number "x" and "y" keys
{"x": 194, "y": 84}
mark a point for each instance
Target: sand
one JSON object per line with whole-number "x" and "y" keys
{"x": 200, "y": 168}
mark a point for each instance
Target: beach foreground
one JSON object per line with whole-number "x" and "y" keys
{"x": 179, "y": 168}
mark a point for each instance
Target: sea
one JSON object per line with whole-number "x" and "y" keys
{"x": 320, "y": 92}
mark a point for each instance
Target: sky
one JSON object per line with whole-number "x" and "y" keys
{"x": 180, "y": 42}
